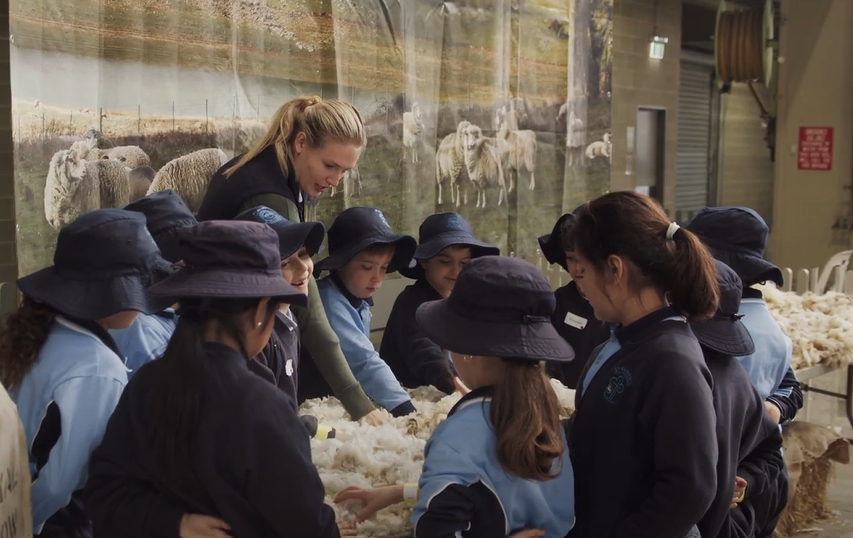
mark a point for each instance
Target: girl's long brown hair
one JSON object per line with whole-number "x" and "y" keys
{"x": 525, "y": 412}
{"x": 22, "y": 338}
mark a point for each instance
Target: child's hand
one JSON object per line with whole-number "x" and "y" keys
{"x": 341, "y": 436}
{"x": 529, "y": 533}
{"x": 377, "y": 417}
{"x": 374, "y": 499}
{"x": 740, "y": 488}
{"x": 774, "y": 412}
{"x": 460, "y": 386}
{"x": 346, "y": 529}
{"x": 199, "y": 526}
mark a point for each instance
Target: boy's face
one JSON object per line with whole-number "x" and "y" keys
{"x": 442, "y": 270}
{"x": 297, "y": 270}
{"x": 363, "y": 275}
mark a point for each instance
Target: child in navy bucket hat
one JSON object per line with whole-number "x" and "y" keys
{"x": 502, "y": 447}
{"x": 750, "y": 467}
{"x": 197, "y": 425}
{"x": 279, "y": 361}
{"x": 146, "y": 339}
{"x": 63, "y": 369}
{"x": 363, "y": 248}
{"x": 737, "y": 236}
{"x": 573, "y": 317}
{"x": 446, "y": 244}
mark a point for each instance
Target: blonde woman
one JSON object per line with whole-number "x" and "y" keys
{"x": 309, "y": 147}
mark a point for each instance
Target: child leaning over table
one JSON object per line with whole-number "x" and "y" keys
{"x": 362, "y": 250}
{"x": 279, "y": 361}
{"x": 499, "y": 463}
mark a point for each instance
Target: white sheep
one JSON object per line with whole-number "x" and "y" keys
{"x": 520, "y": 151}
{"x": 86, "y": 150}
{"x": 189, "y": 175}
{"x": 600, "y": 148}
{"x": 75, "y": 186}
{"x": 140, "y": 180}
{"x": 99, "y": 140}
{"x": 131, "y": 156}
{"x": 483, "y": 162}
{"x": 450, "y": 162}
{"x": 413, "y": 130}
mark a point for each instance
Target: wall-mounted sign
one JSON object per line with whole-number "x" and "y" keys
{"x": 815, "y": 148}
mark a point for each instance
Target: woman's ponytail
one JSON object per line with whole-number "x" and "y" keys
{"x": 693, "y": 288}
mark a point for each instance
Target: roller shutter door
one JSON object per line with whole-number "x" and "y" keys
{"x": 692, "y": 165}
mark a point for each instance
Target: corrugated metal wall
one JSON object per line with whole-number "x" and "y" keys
{"x": 693, "y": 161}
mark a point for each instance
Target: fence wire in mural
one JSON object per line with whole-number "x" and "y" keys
{"x": 156, "y": 94}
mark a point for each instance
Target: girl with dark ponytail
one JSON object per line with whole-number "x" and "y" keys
{"x": 498, "y": 465}
{"x": 643, "y": 437}
{"x": 199, "y": 444}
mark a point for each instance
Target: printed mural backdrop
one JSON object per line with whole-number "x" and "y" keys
{"x": 107, "y": 93}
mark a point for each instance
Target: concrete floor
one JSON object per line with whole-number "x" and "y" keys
{"x": 841, "y": 499}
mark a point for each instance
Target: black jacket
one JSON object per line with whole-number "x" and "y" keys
{"x": 415, "y": 359}
{"x": 749, "y": 442}
{"x": 643, "y": 439}
{"x": 225, "y": 196}
{"x": 250, "y": 446}
{"x": 573, "y": 311}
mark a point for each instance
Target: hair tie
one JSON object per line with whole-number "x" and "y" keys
{"x": 670, "y": 232}
{"x": 310, "y": 101}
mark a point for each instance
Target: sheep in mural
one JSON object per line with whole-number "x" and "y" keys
{"x": 518, "y": 152}
{"x": 600, "y": 148}
{"x": 483, "y": 162}
{"x": 450, "y": 162}
{"x": 575, "y": 134}
{"x": 75, "y": 186}
{"x": 189, "y": 175}
{"x": 140, "y": 180}
{"x": 86, "y": 149}
{"x": 131, "y": 156}
{"x": 98, "y": 139}
{"x": 413, "y": 130}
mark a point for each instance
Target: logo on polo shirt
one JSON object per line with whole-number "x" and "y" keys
{"x": 618, "y": 383}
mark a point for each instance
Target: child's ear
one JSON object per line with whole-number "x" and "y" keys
{"x": 422, "y": 263}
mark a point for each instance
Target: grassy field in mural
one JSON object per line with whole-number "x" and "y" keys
{"x": 306, "y": 40}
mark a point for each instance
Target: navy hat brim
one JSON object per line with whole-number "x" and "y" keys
{"x": 751, "y": 269}
{"x": 724, "y": 335}
{"x": 292, "y": 237}
{"x": 432, "y": 248}
{"x": 451, "y": 331}
{"x": 405, "y": 246}
{"x": 551, "y": 244}
{"x": 226, "y": 284}
{"x": 98, "y": 299}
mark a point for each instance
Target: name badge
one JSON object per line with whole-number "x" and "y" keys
{"x": 288, "y": 367}
{"x": 575, "y": 321}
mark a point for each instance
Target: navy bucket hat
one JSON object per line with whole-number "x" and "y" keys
{"x": 165, "y": 213}
{"x": 737, "y": 236}
{"x": 551, "y": 244}
{"x": 500, "y": 307}
{"x": 229, "y": 259}
{"x": 442, "y": 230}
{"x": 291, "y": 235}
{"x": 103, "y": 264}
{"x": 725, "y": 333}
{"x": 357, "y": 228}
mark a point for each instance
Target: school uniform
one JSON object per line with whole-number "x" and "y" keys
{"x": 260, "y": 182}
{"x": 749, "y": 441}
{"x": 350, "y": 318}
{"x": 354, "y": 230}
{"x": 737, "y": 236}
{"x": 15, "y": 497}
{"x": 145, "y": 340}
{"x": 643, "y": 440}
{"x": 250, "y": 444}
{"x": 68, "y": 395}
{"x": 415, "y": 360}
{"x": 573, "y": 317}
{"x": 464, "y": 489}
{"x": 499, "y": 308}
{"x": 575, "y": 320}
